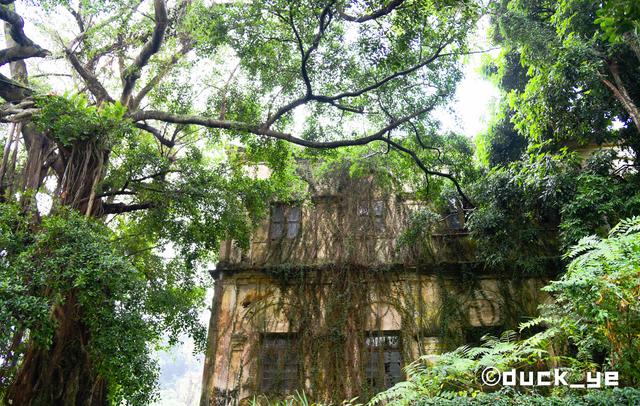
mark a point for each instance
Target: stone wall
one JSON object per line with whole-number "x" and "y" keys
{"x": 327, "y": 299}
{"x": 330, "y": 312}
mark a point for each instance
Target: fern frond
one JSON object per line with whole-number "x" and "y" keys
{"x": 585, "y": 244}
{"x": 625, "y": 227}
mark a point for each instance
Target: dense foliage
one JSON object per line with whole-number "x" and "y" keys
{"x": 626, "y": 396}
{"x": 596, "y": 311}
{"x": 158, "y": 129}
{"x": 597, "y": 301}
{"x": 69, "y": 255}
{"x": 558, "y": 168}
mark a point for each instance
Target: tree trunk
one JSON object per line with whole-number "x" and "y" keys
{"x": 61, "y": 374}
{"x": 622, "y": 95}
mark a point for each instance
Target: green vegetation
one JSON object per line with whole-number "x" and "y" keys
{"x": 135, "y": 150}
{"x": 596, "y": 310}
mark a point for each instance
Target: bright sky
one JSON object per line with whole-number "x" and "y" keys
{"x": 474, "y": 99}
{"x": 470, "y": 111}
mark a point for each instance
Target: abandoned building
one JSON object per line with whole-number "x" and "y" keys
{"x": 332, "y": 297}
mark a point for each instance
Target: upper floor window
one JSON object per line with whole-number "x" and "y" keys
{"x": 278, "y": 363}
{"x": 285, "y": 221}
{"x": 455, "y": 220}
{"x": 373, "y": 210}
{"x": 383, "y": 363}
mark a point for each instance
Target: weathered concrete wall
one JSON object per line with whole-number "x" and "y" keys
{"x": 344, "y": 226}
{"x": 344, "y": 276}
{"x": 430, "y": 312}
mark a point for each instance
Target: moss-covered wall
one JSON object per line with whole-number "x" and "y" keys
{"x": 339, "y": 225}
{"x": 346, "y": 275}
{"x": 331, "y": 310}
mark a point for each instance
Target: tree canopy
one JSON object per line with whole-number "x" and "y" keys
{"x": 134, "y": 129}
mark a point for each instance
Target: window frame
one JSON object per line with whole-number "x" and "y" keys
{"x": 284, "y": 224}
{"x": 374, "y": 210}
{"x": 280, "y": 365}
{"x": 379, "y": 353}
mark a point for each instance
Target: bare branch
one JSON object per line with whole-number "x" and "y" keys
{"x": 156, "y": 133}
{"x": 92, "y": 82}
{"x": 77, "y": 16}
{"x": 25, "y": 107}
{"x": 428, "y": 171}
{"x": 20, "y": 47}
{"x": 21, "y": 52}
{"x": 17, "y": 26}
{"x": 134, "y": 71}
{"x": 153, "y": 82}
{"x": 621, "y": 94}
{"x": 119, "y": 208}
{"x": 376, "y": 14}
{"x": 117, "y": 193}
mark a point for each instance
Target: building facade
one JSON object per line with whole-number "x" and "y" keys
{"x": 335, "y": 295}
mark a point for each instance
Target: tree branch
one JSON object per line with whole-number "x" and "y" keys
{"x": 119, "y": 208}
{"x": 372, "y": 16}
{"x": 134, "y": 71}
{"x": 156, "y": 133}
{"x": 21, "y": 52}
{"x": 621, "y": 94}
{"x": 20, "y": 47}
{"x": 428, "y": 171}
{"x": 264, "y": 131}
{"x": 333, "y": 100}
{"x": 17, "y": 26}
{"x": 153, "y": 82}
{"x": 92, "y": 82}
{"x": 14, "y": 92}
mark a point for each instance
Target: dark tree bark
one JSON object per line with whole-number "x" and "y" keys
{"x": 61, "y": 374}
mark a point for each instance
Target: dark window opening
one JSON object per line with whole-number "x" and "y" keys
{"x": 285, "y": 221}
{"x": 383, "y": 363}
{"x": 373, "y": 210}
{"x": 278, "y": 364}
{"x": 474, "y": 335}
{"x": 455, "y": 220}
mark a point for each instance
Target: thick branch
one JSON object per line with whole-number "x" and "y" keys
{"x": 119, "y": 208}
{"x": 324, "y": 21}
{"x": 117, "y": 193}
{"x": 21, "y": 52}
{"x": 19, "y": 46}
{"x": 264, "y": 131}
{"x": 14, "y": 92}
{"x": 133, "y": 72}
{"x": 622, "y": 95}
{"x": 17, "y": 26}
{"x": 156, "y": 133}
{"x": 376, "y": 14}
{"x": 92, "y": 82}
